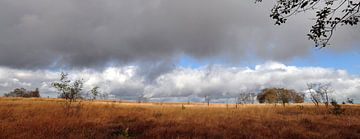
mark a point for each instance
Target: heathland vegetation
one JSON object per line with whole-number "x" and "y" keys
{"x": 48, "y": 118}
{"x": 73, "y": 115}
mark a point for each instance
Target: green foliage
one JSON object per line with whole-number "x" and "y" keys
{"x": 94, "y": 92}
{"x": 67, "y": 89}
{"x": 21, "y": 92}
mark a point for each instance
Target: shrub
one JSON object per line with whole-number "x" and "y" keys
{"x": 67, "y": 90}
{"x": 337, "y": 110}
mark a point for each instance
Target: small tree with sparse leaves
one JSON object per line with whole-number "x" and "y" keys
{"x": 94, "y": 92}
{"x": 67, "y": 89}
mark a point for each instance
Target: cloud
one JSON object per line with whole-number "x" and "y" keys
{"x": 179, "y": 84}
{"x": 42, "y": 34}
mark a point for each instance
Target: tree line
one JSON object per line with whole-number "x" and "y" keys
{"x": 22, "y": 92}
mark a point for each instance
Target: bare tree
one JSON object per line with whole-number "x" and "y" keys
{"x": 319, "y": 93}
{"x": 314, "y": 96}
{"x": 245, "y": 97}
{"x": 325, "y": 90}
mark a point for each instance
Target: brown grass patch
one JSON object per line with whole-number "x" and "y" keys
{"x": 46, "y": 118}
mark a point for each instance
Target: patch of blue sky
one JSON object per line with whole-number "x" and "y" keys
{"x": 325, "y": 58}
{"x": 346, "y": 60}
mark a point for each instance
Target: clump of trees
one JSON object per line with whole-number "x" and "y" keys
{"x": 22, "y": 92}
{"x": 280, "y": 95}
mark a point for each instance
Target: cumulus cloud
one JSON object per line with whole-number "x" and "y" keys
{"x": 180, "y": 84}
{"x": 43, "y": 33}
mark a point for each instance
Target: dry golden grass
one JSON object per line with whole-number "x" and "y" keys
{"x": 48, "y": 118}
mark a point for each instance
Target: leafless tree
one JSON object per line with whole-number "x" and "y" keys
{"x": 245, "y": 97}
{"x": 319, "y": 93}
{"x": 325, "y": 90}
{"x": 314, "y": 96}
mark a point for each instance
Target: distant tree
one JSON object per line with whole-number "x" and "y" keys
{"x": 18, "y": 92}
{"x": 283, "y": 96}
{"x": 67, "y": 89}
{"x": 320, "y": 93}
{"x": 314, "y": 96}
{"x": 298, "y": 97}
{"x": 21, "y": 92}
{"x": 280, "y": 95}
{"x": 35, "y": 93}
{"x": 267, "y": 95}
{"x": 142, "y": 98}
{"x": 94, "y": 92}
{"x": 329, "y": 14}
{"x": 245, "y": 97}
{"x": 350, "y": 101}
{"x": 207, "y": 99}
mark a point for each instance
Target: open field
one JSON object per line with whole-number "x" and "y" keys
{"x": 50, "y": 118}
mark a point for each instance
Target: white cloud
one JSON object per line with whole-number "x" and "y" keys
{"x": 216, "y": 81}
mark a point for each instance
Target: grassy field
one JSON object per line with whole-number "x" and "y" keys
{"x": 51, "y": 118}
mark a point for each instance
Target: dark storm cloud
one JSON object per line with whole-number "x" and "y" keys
{"x": 43, "y": 33}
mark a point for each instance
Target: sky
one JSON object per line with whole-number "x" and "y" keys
{"x": 172, "y": 50}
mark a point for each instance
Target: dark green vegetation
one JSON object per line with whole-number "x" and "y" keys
{"x": 21, "y": 92}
